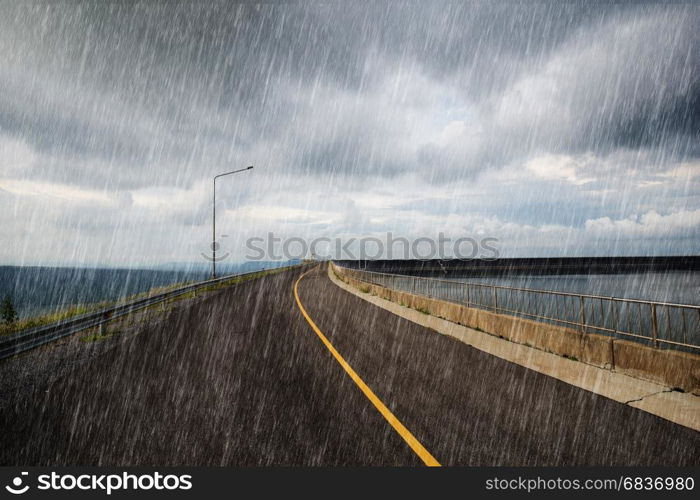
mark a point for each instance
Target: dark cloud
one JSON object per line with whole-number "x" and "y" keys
{"x": 160, "y": 91}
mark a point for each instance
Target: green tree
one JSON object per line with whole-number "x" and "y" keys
{"x": 7, "y": 310}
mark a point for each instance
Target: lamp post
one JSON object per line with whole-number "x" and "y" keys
{"x": 213, "y": 227}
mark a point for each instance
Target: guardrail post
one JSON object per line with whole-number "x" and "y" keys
{"x": 582, "y": 314}
{"x": 495, "y": 299}
{"x": 102, "y": 329}
{"x": 654, "y": 327}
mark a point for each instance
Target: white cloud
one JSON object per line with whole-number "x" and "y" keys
{"x": 648, "y": 225}
{"x": 58, "y": 191}
{"x": 16, "y": 156}
{"x": 559, "y": 168}
{"x": 684, "y": 172}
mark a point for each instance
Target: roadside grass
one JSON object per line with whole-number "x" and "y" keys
{"x": 79, "y": 309}
{"x": 96, "y": 337}
{"x": 236, "y": 280}
{"x": 47, "y": 319}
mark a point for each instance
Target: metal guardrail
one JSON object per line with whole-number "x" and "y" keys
{"x": 25, "y": 340}
{"x": 655, "y": 323}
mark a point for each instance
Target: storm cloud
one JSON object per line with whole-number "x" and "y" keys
{"x": 532, "y": 119}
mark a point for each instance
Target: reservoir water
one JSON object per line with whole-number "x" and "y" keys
{"x": 681, "y": 287}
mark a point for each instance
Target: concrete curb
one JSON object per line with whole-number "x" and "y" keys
{"x": 649, "y": 396}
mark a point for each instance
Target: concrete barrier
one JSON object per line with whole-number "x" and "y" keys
{"x": 678, "y": 370}
{"x": 673, "y": 368}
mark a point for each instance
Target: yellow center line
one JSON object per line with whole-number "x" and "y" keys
{"x": 410, "y": 439}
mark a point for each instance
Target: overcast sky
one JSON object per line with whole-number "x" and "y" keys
{"x": 558, "y": 129}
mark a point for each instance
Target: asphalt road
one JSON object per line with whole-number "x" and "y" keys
{"x": 240, "y": 378}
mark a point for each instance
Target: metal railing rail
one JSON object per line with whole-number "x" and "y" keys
{"x": 24, "y": 340}
{"x": 657, "y": 323}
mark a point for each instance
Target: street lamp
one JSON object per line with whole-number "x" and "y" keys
{"x": 213, "y": 228}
